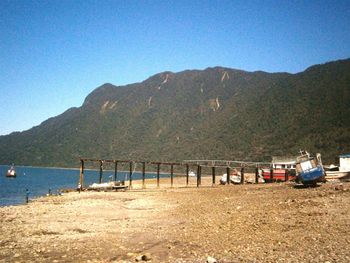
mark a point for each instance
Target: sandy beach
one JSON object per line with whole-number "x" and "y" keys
{"x": 231, "y": 223}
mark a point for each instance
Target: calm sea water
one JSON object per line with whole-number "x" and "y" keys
{"x": 39, "y": 181}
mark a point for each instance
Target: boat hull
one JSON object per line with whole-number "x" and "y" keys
{"x": 278, "y": 175}
{"x": 337, "y": 175}
{"x": 312, "y": 176}
{"x": 11, "y": 173}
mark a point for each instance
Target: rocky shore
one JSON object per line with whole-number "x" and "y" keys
{"x": 231, "y": 223}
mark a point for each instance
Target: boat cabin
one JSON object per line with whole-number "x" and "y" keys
{"x": 344, "y": 162}
{"x": 283, "y": 162}
{"x": 306, "y": 165}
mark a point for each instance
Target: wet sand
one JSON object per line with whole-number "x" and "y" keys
{"x": 231, "y": 223}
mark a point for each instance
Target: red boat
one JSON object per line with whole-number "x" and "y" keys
{"x": 277, "y": 175}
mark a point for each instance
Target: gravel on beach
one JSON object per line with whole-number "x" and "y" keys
{"x": 231, "y": 223}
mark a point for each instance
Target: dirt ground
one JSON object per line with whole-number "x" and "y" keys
{"x": 231, "y": 223}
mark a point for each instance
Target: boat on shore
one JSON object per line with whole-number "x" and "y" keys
{"x": 338, "y": 175}
{"x": 341, "y": 172}
{"x": 11, "y": 172}
{"x": 278, "y": 175}
{"x": 309, "y": 169}
{"x": 192, "y": 174}
{"x": 113, "y": 185}
{"x": 235, "y": 177}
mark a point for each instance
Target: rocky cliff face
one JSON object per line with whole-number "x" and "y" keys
{"x": 217, "y": 113}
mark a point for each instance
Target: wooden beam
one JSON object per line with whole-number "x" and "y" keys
{"x": 187, "y": 173}
{"x": 213, "y": 175}
{"x": 115, "y": 170}
{"x": 228, "y": 172}
{"x": 143, "y": 175}
{"x": 165, "y": 163}
{"x": 242, "y": 175}
{"x": 130, "y": 174}
{"x": 271, "y": 174}
{"x": 199, "y": 175}
{"x": 81, "y": 177}
{"x": 171, "y": 175}
{"x": 158, "y": 174}
{"x": 101, "y": 170}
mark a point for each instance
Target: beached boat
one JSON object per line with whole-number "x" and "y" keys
{"x": 235, "y": 177}
{"x": 331, "y": 167}
{"x": 309, "y": 169}
{"x": 341, "y": 172}
{"x": 11, "y": 172}
{"x": 278, "y": 175}
{"x": 192, "y": 174}
{"x": 338, "y": 175}
{"x": 106, "y": 186}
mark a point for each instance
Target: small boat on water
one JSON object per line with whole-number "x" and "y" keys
{"x": 309, "y": 169}
{"x": 11, "y": 172}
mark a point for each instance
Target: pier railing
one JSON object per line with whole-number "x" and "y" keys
{"x": 210, "y": 169}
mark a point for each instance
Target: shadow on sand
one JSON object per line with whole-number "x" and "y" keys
{"x": 305, "y": 186}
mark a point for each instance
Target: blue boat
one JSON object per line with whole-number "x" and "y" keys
{"x": 309, "y": 169}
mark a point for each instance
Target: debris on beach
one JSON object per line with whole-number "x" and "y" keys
{"x": 234, "y": 179}
{"x": 144, "y": 257}
{"x": 211, "y": 260}
{"x": 107, "y": 186}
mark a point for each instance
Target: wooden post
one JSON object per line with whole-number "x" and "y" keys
{"x": 171, "y": 175}
{"x": 213, "y": 174}
{"x": 143, "y": 175}
{"x": 271, "y": 174}
{"x": 101, "y": 170}
{"x": 198, "y": 174}
{"x": 242, "y": 175}
{"x": 256, "y": 175}
{"x": 187, "y": 173}
{"x": 81, "y": 177}
{"x": 130, "y": 174}
{"x": 158, "y": 171}
{"x": 228, "y": 171}
{"x": 286, "y": 173}
{"x": 115, "y": 170}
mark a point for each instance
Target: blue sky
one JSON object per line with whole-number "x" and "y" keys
{"x": 54, "y": 53}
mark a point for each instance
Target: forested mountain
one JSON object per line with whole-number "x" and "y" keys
{"x": 216, "y": 113}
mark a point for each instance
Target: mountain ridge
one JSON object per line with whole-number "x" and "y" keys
{"x": 215, "y": 113}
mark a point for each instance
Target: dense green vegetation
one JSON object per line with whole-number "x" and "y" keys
{"x": 217, "y": 113}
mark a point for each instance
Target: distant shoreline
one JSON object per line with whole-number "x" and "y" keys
{"x": 88, "y": 169}
{"x": 43, "y": 167}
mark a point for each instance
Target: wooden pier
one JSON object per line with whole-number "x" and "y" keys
{"x": 210, "y": 166}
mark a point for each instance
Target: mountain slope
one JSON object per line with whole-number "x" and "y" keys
{"x": 217, "y": 113}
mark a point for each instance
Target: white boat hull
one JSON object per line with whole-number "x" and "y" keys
{"x": 341, "y": 175}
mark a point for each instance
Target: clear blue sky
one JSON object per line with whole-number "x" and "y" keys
{"x": 54, "y": 53}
